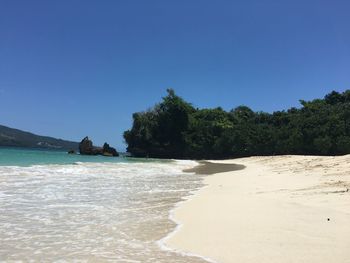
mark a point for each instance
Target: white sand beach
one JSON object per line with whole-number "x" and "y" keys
{"x": 277, "y": 209}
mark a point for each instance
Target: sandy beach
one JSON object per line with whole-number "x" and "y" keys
{"x": 276, "y": 209}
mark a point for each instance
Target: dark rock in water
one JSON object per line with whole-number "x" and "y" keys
{"x": 71, "y": 152}
{"x": 86, "y": 148}
{"x": 109, "y": 151}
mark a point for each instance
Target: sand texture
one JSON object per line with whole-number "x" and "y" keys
{"x": 277, "y": 209}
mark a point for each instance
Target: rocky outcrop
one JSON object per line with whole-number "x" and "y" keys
{"x": 109, "y": 151}
{"x": 86, "y": 148}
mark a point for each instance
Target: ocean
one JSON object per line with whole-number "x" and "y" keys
{"x": 56, "y": 207}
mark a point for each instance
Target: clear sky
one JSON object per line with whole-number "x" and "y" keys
{"x": 75, "y": 68}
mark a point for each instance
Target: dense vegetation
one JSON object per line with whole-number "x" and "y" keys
{"x": 175, "y": 129}
{"x": 18, "y": 138}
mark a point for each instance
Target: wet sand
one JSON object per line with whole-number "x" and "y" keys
{"x": 209, "y": 168}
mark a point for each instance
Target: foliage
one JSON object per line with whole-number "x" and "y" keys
{"x": 174, "y": 129}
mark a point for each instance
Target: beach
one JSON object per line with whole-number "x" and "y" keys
{"x": 276, "y": 209}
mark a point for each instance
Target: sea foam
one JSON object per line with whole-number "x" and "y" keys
{"x": 92, "y": 211}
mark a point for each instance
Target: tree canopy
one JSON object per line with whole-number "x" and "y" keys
{"x": 175, "y": 129}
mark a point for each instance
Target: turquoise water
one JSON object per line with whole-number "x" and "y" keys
{"x": 56, "y": 207}
{"x": 27, "y": 157}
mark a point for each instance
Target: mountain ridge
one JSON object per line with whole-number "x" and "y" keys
{"x": 12, "y": 137}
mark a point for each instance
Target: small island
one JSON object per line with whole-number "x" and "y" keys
{"x": 86, "y": 148}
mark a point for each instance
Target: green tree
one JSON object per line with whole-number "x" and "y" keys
{"x": 174, "y": 129}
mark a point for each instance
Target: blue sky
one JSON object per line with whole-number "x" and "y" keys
{"x": 75, "y": 68}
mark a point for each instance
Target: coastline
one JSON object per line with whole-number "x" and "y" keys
{"x": 290, "y": 208}
{"x": 202, "y": 168}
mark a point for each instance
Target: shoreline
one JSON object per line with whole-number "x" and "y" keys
{"x": 206, "y": 168}
{"x": 293, "y": 208}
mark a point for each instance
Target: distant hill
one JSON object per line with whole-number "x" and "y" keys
{"x": 18, "y": 138}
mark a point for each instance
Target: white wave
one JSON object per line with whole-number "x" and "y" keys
{"x": 107, "y": 211}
